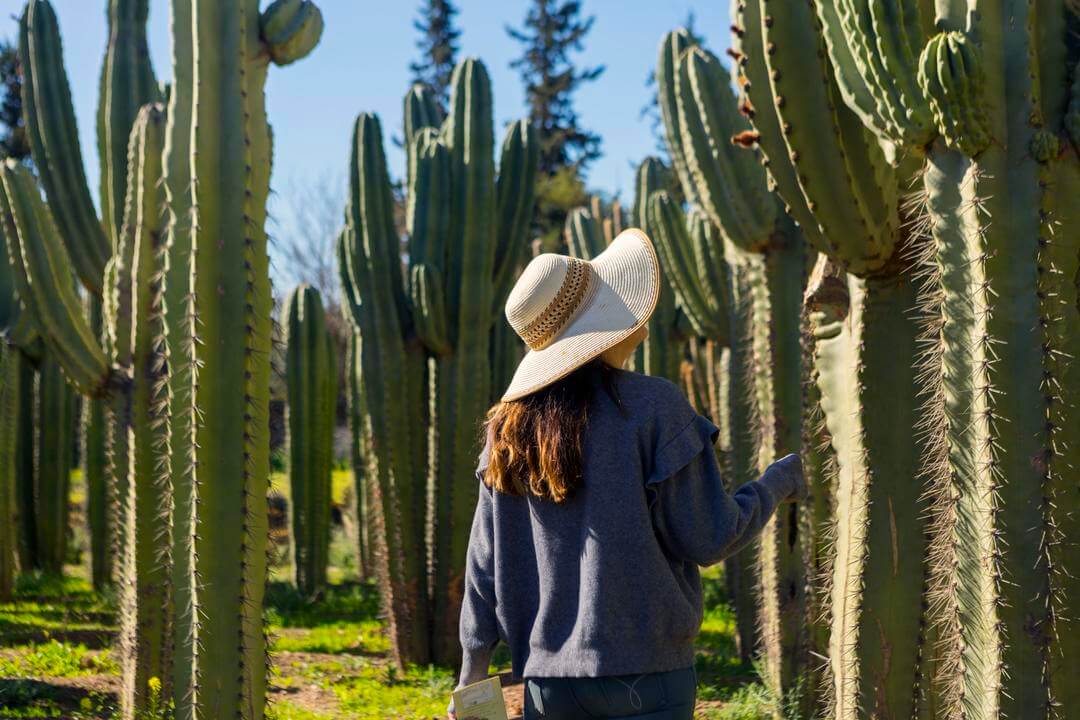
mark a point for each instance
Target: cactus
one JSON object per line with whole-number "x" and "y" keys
{"x": 127, "y": 83}
{"x": 766, "y": 257}
{"x": 984, "y": 106}
{"x": 9, "y": 418}
{"x": 146, "y": 602}
{"x": 843, "y": 183}
{"x": 230, "y": 302}
{"x": 359, "y": 432}
{"x": 425, "y": 354}
{"x": 311, "y": 379}
{"x": 55, "y": 422}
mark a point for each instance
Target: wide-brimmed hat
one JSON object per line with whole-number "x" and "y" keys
{"x": 569, "y": 311}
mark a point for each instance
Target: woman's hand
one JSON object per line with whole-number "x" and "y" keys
{"x": 450, "y": 714}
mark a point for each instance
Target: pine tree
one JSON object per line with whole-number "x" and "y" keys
{"x": 553, "y": 30}
{"x": 13, "y": 141}
{"x": 438, "y": 46}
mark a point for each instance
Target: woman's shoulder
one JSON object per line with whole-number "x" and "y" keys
{"x": 656, "y": 397}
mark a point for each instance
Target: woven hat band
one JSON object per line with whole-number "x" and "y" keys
{"x": 562, "y": 309}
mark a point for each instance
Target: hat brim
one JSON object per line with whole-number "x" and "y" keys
{"x": 627, "y": 278}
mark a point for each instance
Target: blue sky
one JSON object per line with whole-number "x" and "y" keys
{"x": 362, "y": 65}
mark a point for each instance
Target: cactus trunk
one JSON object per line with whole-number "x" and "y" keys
{"x": 230, "y": 303}
{"x": 146, "y": 593}
{"x": 311, "y": 380}
{"x": 26, "y": 533}
{"x": 775, "y": 283}
{"x": 54, "y": 419}
{"x": 878, "y": 582}
{"x": 9, "y": 423}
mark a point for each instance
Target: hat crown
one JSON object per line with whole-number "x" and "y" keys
{"x": 546, "y": 297}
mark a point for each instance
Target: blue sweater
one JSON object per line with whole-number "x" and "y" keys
{"x": 607, "y": 582}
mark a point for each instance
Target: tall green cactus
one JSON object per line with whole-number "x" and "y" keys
{"x": 425, "y": 354}
{"x": 127, "y": 82}
{"x": 983, "y": 106}
{"x": 834, "y": 178}
{"x": 230, "y": 303}
{"x": 146, "y": 595}
{"x": 311, "y": 380}
{"x": 766, "y": 257}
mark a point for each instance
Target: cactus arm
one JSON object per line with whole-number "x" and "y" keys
{"x": 844, "y": 178}
{"x": 516, "y": 194}
{"x": 730, "y": 182}
{"x": 394, "y": 392}
{"x": 127, "y": 83}
{"x": 421, "y": 111}
{"x": 42, "y": 275}
{"x": 310, "y": 378}
{"x": 874, "y": 47}
{"x": 146, "y": 593}
{"x": 54, "y": 142}
{"x": 584, "y": 234}
{"x": 426, "y": 220}
{"x": 751, "y": 76}
{"x": 741, "y": 571}
{"x": 704, "y": 305}
{"x": 672, "y": 48}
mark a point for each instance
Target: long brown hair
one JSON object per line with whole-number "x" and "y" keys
{"x": 536, "y": 441}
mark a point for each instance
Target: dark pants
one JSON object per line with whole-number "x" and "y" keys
{"x": 655, "y": 696}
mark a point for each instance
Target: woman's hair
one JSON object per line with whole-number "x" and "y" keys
{"x": 536, "y": 441}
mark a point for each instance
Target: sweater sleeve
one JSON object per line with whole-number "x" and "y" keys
{"x": 695, "y": 518}
{"x": 478, "y": 627}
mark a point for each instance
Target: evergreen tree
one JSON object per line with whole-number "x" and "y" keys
{"x": 438, "y": 46}
{"x": 13, "y": 142}
{"x": 553, "y": 30}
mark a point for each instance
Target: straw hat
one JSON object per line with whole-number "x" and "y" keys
{"x": 569, "y": 311}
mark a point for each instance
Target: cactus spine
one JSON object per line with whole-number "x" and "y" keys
{"x": 311, "y": 380}
{"x": 425, "y": 353}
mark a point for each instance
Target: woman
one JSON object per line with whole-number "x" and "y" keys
{"x": 600, "y": 496}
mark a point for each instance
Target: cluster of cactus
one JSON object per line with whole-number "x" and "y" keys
{"x": 742, "y": 290}
{"x": 426, "y": 337}
{"x": 186, "y": 277}
{"x": 944, "y": 328}
{"x": 311, "y": 381}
